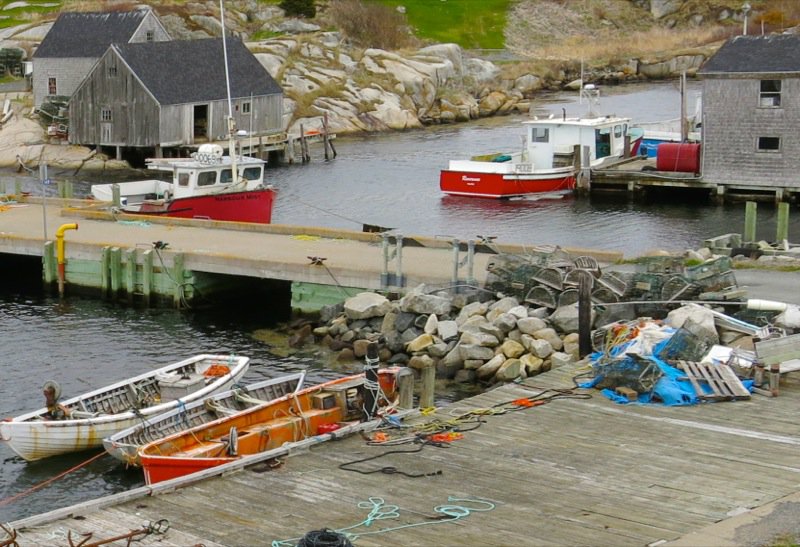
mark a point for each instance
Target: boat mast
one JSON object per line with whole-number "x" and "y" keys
{"x": 231, "y": 122}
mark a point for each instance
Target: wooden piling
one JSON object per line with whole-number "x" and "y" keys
{"x": 115, "y": 271}
{"x": 750, "y": 214}
{"x": 782, "y": 232}
{"x": 105, "y": 260}
{"x": 49, "y": 262}
{"x": 147, "y": 276}
{"x": 177, "y": 276}
{"x": 584, "y": 314}
{"x": 405, "y": 385}
{"x": 428, "y": 383}
{"x": 130, "y": 274}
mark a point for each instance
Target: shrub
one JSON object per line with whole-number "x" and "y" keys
{"x": 301, "y": 8}
{"x": 371, "y": 25}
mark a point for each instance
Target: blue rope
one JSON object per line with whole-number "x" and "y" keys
{"x": 379, "y": 510}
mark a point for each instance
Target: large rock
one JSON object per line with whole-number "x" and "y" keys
{"x": 509, "y": 371}
{"x": 490, "y": 368}
{"x": 418, "y": 302}
{"x": 366, "y": 304}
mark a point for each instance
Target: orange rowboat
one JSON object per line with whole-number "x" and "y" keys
{"x": 312, "y": 411}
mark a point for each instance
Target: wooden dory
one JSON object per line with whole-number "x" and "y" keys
{"x": 102, "y": 412}
{"x": 125, "y": 444}
{"x": 312, "y": 411}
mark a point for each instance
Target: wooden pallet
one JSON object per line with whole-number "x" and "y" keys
{"x": 724, "y": 384}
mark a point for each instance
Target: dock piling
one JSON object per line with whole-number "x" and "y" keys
{"x": 750, "y": 212}
{"x": 782, "y": 232}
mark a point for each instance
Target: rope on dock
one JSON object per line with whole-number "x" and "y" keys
{"x": 380, "y": 510}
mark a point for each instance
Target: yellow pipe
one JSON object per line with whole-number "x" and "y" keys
{"x": 60, "y": 239}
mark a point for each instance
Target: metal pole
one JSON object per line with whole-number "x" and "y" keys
{"x": 470, "y": 262}
{"x": 455, "y": 262}
{"x": 399, "y": 256}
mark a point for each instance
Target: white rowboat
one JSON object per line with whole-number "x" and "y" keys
{"x": 100, "y": 413}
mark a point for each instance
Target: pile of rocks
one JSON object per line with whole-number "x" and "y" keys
{"x": 465, "y": 338}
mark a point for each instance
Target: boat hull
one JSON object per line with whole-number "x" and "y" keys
{"x": 504, "y": 185}
{"x": 292, "y": 418}
{"x": 124, "y": 445}
{"x": 247, "y": 206}
{"x": 34, "y": 438}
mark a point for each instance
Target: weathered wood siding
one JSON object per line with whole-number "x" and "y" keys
{"x": 69, "y": 72}
{"x": 177, "y": 121}
{"x": 150, "y": 23}
{"x": 732, "y": 123}
{"x": 134, "y": 113}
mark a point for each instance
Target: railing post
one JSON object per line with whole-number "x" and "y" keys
{"x": 399, "y": 281}
{"x": 471, "y": 263}
{"x": 385, "y": 250}
{"x": 454, "y": 279}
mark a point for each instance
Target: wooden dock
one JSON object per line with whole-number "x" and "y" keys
{"x": 573, "y": 471}
{"x": 639, "y": 174}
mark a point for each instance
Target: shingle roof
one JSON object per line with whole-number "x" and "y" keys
{"x": 756, "y": 54}
{"x": 89, "y": 34}
{"x": 187, "y": 71}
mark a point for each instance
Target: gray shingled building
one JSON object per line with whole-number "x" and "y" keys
{"x": 169, "y": 94}
{"x": 77, "y": 40}
{"x": 751, "y": 114}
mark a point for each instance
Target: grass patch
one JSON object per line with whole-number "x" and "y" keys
{"x": 472, "y": 24}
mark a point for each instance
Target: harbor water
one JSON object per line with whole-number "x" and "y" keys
{"x": 387, "y": 180}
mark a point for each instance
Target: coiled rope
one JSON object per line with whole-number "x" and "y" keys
{"x": 379, "y": 510}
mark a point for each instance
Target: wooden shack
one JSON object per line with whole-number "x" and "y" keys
{"x": 751, "y": 111}
{"x": 76, "y": 41}
{"x": 160, "y": 95}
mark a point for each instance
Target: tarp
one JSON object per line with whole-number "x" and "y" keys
{"x": 671, "y": 389}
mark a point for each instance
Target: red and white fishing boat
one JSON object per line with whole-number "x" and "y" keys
{"x": 547, "y": 164}
{"x": 312, "y": 411}
{"x": 202, "y": 186}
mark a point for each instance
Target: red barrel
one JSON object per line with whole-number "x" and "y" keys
{"x": 678, "y": 156}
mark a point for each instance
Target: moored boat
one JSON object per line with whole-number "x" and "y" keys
{"x": 549, "y": 161}
{"x": 312, "y": 411}
{"x": 82, "y": 422}
{"x": 124, "y": 444}
{"x": 202, "y": 186}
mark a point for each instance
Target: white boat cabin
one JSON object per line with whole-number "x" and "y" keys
{"x": 207, "y": 172}
{"x": 550, "y": 143}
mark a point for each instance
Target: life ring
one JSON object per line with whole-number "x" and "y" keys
{"x": 167, "y": 195}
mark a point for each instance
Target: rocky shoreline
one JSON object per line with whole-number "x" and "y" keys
{"x": 325, "y": 77}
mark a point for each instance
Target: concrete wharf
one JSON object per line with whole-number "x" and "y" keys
{"x": 574, "y": 471}
{"x": 117, "y": 254}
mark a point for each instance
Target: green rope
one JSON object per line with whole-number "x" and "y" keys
{"x": 379, "y": 510}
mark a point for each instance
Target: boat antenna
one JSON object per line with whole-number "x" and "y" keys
{"x": 231, "y": 121}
